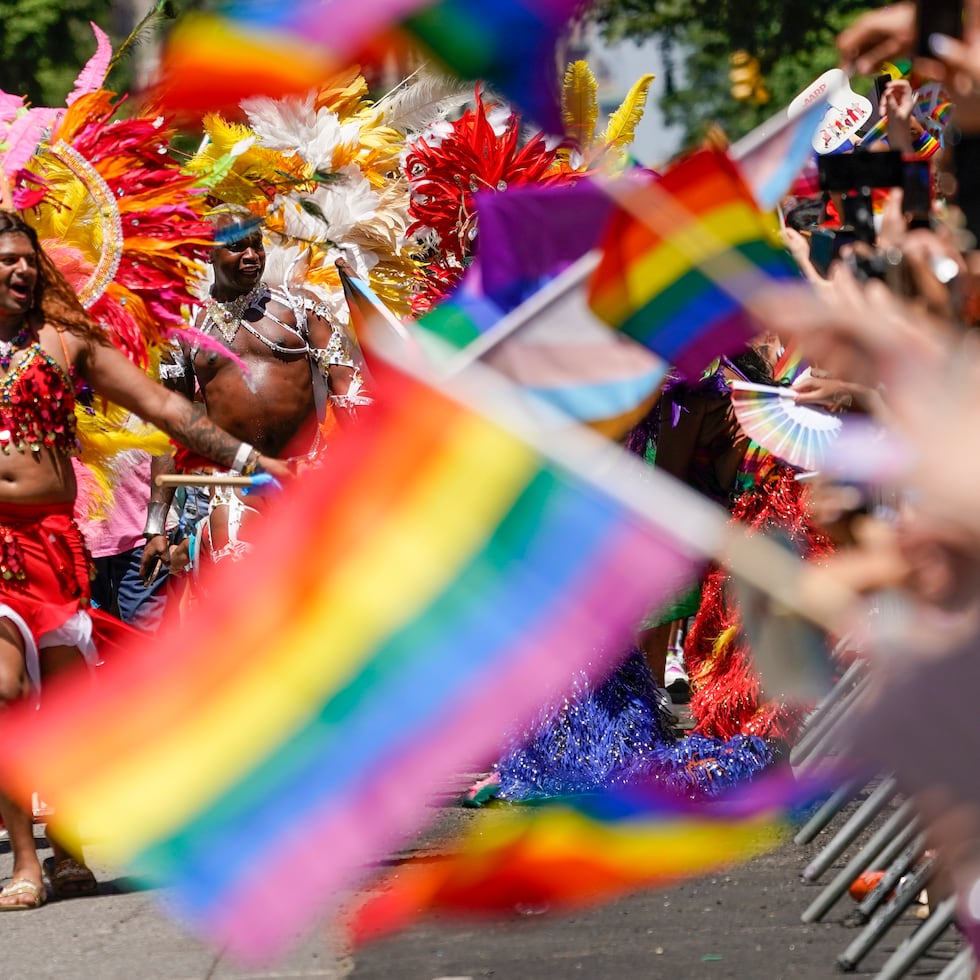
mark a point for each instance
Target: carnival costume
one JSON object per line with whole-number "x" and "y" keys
{"x": 612, "y": 732}
{"x": 604, "y": 731}
{"x": 322, "y": 173}
{"x": 727, "y": 699}
{"x": 223, "y": 321}
{"x": 43, "y": 562}
{"x": 124, "y": 228}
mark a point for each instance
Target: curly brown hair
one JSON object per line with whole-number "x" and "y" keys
{"x": 55, "y": 301}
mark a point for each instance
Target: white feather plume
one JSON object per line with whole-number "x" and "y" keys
{"x": 426, "y": 97}
{"x": 293, "y": 126}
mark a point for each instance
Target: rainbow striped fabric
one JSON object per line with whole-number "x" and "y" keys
{"x": 532, "y": 239}
{"x": 402, "y": 609}
{"x": 924, "y": 146}
{"x": 790, "y": 364}
{"x": 568, "y": 854}
{"x": 682, "y": 257}
{"x": 509, "y": 43}
{"x": 291, "y": 47}
{"x": 208, "y": 45}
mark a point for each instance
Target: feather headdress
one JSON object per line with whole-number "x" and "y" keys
{"x": 580, "y": 114}
{"x": 122, "y": 224}
{"x": 484, "y": 149}
{"x": 322, "y": 170}
{"x": 127, "y": 225}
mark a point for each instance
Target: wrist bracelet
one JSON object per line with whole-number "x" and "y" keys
{"x": 156, "y": 518}
{"x": 241, "y": 457}
{"x": 252, "y": 463}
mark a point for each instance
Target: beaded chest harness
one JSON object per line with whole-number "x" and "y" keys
{"x": 228, "y": 318}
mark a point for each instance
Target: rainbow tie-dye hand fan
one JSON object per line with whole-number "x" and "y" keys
{"x": 799, "y": 434}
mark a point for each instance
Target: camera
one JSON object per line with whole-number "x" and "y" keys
{"x": 861, "y": 171}
{"x": 854, "y": 176}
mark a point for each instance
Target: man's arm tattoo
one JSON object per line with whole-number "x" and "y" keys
{"x": 192, "y": 428}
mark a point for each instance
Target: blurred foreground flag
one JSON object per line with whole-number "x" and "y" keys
{"x": 403, "y": 608}
{"x": 682, "y": 258}
{"x": 522, "y": 308}
{"x": 773, "y": 156}
{"x": 567, "y": 854}
{"x": 370, "y": 317}
{"x": 258, "y": 48}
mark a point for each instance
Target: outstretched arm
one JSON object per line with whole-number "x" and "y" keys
{"x": 113, "y": 376}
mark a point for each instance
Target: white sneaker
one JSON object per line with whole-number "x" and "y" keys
{"x": 676, "y": 681}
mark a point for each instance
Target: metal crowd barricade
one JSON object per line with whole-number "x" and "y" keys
{"x": 895, "y": 845}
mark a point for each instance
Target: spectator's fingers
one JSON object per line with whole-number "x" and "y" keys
{"x": 878, "y": 36}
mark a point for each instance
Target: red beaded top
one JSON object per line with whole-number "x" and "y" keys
{"x": 37, "y": 406}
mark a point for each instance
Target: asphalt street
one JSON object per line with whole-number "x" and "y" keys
{"x": 742, "y": 924}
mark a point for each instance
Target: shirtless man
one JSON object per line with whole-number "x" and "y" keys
{"x": 288, "y": 375}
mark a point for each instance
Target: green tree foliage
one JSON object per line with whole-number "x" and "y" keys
{"x": 792, "y": 39}
{"x": 44, "y": 43}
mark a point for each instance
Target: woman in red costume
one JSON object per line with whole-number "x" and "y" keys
{"x": 47, "y": 345}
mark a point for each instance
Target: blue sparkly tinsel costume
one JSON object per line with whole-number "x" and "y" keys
{"x": 609, "y": 734}
{"x": 614, "y": 733}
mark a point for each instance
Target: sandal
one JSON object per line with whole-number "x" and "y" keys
{"x": 69, "y": 878}
{"x": 29, "y": 895}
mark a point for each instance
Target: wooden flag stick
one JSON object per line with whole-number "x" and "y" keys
{"x": 199, "y": 480}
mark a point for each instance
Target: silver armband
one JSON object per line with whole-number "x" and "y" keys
{"x": 156, "y": 519}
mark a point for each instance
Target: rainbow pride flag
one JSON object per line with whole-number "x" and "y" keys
{"x": 403, "y": 608}
{"x": 291, "y": 47}
{"x": 790, "y": 364}
{"x": 568, "y": 854}
{"x": 509, "y": 43}
{"x": 682, "y": 257}
{"x": 208, "y": 45}
{"x": 522, "y": 309}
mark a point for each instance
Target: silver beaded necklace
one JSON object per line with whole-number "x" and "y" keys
{"x": 227, "y": 317}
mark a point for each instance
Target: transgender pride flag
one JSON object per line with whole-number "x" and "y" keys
{"x": 772, "y": 156}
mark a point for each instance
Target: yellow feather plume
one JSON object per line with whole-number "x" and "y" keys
{"x": 623, "y": 122}
{"x": 105, "y": 432}
{"x": 580, "y": 104}
{"x": 343, "y": 92}
{"x": 240, "y": 180}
